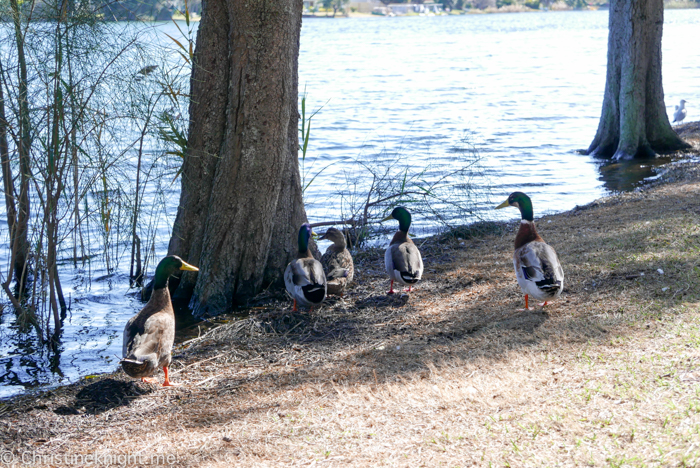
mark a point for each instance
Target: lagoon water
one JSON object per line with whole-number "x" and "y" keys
{"x": 524, "y": 89}
{"x": 527, "y": 88}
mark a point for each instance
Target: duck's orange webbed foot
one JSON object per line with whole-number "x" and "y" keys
{"x": 527, "y": 306}
{"x": 167, "y": 382}
{"x": 544, "y": 304}
{"x": 149, "y": 380}
{"x": 391, "y": 288}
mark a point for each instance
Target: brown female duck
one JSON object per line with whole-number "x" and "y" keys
{"x": 337, "y": 262}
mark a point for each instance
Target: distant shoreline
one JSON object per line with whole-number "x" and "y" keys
{"x": 507, "y": 9}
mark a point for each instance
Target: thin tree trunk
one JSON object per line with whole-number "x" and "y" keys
{"x": 72, "y": 147}
{"x": 241, "y": 201}
{"x": 54, "y": 186}
{"x": 51, "y": 270}
{"x": 59, "y": 292}
{"x": 20, "y": 243}
{"x": 8, "y": 184}
{"x": 633, "y": 122}
{"x": 77, "y": 229}
{"x": 135, "y": 273}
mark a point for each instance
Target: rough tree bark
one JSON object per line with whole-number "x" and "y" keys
{"x": 241, "y": 202}
{"x": 634, "y": 121}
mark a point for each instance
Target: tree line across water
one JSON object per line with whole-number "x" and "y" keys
{"x": 464, "y": 6}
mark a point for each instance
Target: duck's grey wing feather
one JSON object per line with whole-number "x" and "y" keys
{"x": 289, "y": 277}
{"x": 148, "y": 341}
{"x": 305, "y": 281}
{"x": 407, "y": 260}
{"x": 313, "y": 271}
{"x": 128, "y": 336}
{"x": 540, "y": 265}
{"x": 315, "y": 291}
{"x": 300, "y": 275}
{"x": 157, "y": 337}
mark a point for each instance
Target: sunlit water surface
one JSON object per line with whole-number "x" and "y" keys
{"x": 524, "y": 89}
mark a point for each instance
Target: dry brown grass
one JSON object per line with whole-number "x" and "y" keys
{"x": 452, "y": 375}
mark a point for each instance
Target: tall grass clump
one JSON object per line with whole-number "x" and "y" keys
{"x": 307, "y": 178}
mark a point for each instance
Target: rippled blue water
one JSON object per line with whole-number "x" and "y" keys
{"x": 526, "y": 88}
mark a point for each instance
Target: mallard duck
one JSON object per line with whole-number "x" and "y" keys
{"x": 304, "y": 277}
{"x": 536, "y": 263}
{"x": 337, "y": 262}
{"x": 402, "y": 259}
{"x": 149, "y": 335}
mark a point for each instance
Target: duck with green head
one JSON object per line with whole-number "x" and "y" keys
{"x": 402, "y": 259}
{"x": 149, "y": 335}
{"x": 537, "y": 266}
{"x": 337, "y": 262}
{"x": 304, "y": 277}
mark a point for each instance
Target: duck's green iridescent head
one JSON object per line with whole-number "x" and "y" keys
{"x": 402, "y": 215}
{"x": 305, "y": 234}
{"x": 168, "y": 267}
{"x": 522, "y": 202}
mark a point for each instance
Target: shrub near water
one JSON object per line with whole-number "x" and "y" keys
{"x": 85, "y": 98}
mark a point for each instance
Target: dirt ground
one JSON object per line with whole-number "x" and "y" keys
{"x": 452, "y": 374}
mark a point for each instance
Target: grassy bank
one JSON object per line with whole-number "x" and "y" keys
{"x": 450, "y": 375}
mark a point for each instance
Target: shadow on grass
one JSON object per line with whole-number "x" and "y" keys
{"x": 102, "y": 396}
{"x": 381, "y": 301}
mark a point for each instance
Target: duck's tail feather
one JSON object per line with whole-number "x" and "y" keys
{"x": 409, "y": 278}
{"x": 137, "y": 368}
{"x": 314, "y": 293}
{"x": 548, "y": 287}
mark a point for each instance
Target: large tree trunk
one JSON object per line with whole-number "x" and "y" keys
{"x": 241, "y": 203}
{"x": 634, "y": 121}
